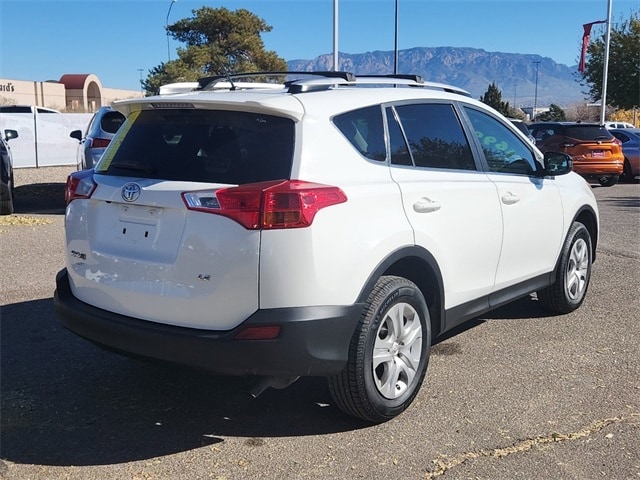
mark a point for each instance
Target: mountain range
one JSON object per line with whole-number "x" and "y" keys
{"x": 471, "y": 69}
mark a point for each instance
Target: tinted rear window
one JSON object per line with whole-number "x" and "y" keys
{"x": 111, "y": 122}
{"x": 198, "y": 145}
{"x": 587, "y": 132}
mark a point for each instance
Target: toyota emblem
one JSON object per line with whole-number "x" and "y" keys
{"x": 130, "y": 192}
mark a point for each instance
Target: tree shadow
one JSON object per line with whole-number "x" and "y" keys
{"x": 67, "y": 402}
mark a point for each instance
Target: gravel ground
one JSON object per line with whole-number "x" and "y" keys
{"x": 515, "y": 395}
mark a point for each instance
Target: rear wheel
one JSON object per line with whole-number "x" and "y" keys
{"x": 627, "y": 174}
{"x": 608, "y": 180}
{"x": 574, "y": 272}
{"x": 388, "y": 355}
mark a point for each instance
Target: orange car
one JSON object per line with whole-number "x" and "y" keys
{"x": 596, "y": 153}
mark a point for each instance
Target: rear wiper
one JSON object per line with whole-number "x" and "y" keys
{"x": 602, "y": 137}
{"x": 134, "y": 167}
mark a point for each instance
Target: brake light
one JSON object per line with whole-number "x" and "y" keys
{"x": 79, "y": 185}
{"x": 267, "y": 205}
{"x": 100, "y": 143}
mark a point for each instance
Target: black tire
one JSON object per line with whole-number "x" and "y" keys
{"x": 378, "y": 394}
{"x": 627, "y": 174}
{"x": 573, "y": 274}
{"x": 608, "y": 180}
{"x": 6, "y": 202}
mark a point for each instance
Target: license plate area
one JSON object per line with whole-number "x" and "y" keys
{"x": 138, "y": 225}
{"x": 597, "y": 153}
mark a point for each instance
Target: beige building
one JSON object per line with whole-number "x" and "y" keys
{"x": 74, "y": 92}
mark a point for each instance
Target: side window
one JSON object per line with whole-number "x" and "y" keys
{"x": 364, "y": 129}
{"x": 435, "y": 136}
{"x": 503, "y": 150}
{"x": 399, "y": 151}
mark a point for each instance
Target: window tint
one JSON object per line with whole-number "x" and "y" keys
{"x": 202, "y": 146}
{"x": 15, "y": 109}
{"x": 587, "y": 132}
{"x": 503, "y": 149}
{"x": 435, "y": 136}
{"x": 363, "y": 128}
{"x": 111, "y": 121}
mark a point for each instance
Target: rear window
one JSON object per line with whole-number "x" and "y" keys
{"x": 213, "y": 146}
{"x": 111, "y": 122}
{"x": 587, "y": 132}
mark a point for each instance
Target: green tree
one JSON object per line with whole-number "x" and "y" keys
{"x": 555, "y": 114}
{"x": 217, "y": 41}
{"x": 493, "y": 98}
{"x": 623, "y": 80}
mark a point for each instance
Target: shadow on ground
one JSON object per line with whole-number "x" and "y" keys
{"x": 39, "y": 198}
{"x": 67, "y": 402}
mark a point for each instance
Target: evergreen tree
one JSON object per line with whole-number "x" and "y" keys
{"x": 493, "y": 98}
{"x": 555, "y": 114}
{"x": 217, "y": 41}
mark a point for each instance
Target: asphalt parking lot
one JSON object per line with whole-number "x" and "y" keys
{"x": 516, "y": 394}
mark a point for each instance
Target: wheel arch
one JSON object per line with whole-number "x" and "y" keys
{"x": 419, "y": 266}
{"x": 589, "y": 219}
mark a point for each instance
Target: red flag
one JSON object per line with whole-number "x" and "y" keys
{"x": 585, "y": 43}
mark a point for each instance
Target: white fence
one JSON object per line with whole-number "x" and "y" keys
{"x": 43, "y": 138}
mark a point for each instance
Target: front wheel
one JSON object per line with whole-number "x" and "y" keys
{"x": 388, "y": 354}
{"x": 6, "y": 201}
{"x": 574, "y": 272}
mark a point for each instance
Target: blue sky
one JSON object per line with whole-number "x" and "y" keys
{"x": 43, "y": 39}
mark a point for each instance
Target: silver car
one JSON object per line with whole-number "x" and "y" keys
{"x": 103, "y": 126}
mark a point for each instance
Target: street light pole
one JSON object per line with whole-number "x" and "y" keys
{"x": 140, "y": 70}
{"x": 166, "y": 24}
{"x": 535, "y": 97}
{"x": 395, "y": 48}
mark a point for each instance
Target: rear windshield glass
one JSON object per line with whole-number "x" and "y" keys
{"x": 213, "y": 146}
{"x": 587, "y": 132}
{"x": 111, "y": 122}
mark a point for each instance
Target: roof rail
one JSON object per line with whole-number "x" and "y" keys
{"x": 324, "y": 80}
{"x": 207, "y": 83}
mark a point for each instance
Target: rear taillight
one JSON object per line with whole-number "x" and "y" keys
{"x": 79, "y": 185}
{"x": 100, "y": 142}
{"x": 267, "y": 205}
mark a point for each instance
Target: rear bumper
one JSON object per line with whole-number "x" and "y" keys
{"x": 588, "y": 168}
{"x": 313, "y": 341}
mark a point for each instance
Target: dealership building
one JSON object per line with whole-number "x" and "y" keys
{"x": 74, "y": 92}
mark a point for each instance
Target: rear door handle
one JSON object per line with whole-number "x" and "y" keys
{"x": 426, "y": 205}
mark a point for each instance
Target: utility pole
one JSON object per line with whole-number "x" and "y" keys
{"x": 140, "y": 70}
{"x": 166, "y": 25}
{"x": 335, "y": 35}
{"x": 535, "y": 96}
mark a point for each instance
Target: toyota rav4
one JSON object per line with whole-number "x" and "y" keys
{"x": 323, "y": 225}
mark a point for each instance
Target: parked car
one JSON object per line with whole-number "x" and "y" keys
{"x": 630, "y": 138}
{"x": 611, "y": 125}
{"x": 6, "y": 173}
{"x": 101, "y": 129}
{"x": 596, "y": 153}
{"x": 319, "y": 229}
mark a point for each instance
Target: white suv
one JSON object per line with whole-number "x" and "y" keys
{"x": 325, "y": 226}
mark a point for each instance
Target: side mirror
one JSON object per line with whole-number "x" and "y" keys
{"x": 557, "y": 163}
{"x": 9, "y": 134}
{"x": 77, "y": 134}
